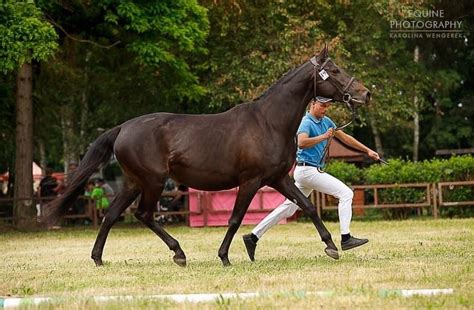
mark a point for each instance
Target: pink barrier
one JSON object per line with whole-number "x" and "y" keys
{"x": 215, "y": 208}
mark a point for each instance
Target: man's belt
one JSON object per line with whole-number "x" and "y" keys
{"x": 302, "y": 163}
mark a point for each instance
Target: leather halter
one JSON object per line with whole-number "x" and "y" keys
{"x": 346, "y": 98}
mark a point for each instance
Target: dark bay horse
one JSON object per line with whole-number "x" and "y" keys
{"x": 249, "y": 146}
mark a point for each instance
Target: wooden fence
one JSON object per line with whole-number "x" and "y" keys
{"x": 434, "y": 197}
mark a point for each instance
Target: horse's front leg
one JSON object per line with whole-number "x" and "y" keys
{"x": 290, "y": 191}
{"x": 247, "y": 191}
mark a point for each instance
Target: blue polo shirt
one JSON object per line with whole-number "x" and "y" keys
{"x": 313, "y": 127}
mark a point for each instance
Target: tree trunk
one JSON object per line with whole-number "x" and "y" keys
{"x": 416, "y": 116}
{"x": 416, "y": 131}
{"x": 42, "y": 151}
{"x": 24, "y": 208}
{"x": 84, "y": 116}
{"x": 377, "y": 137}
{"x": 70, "y": 147}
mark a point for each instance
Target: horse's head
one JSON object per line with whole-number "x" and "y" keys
{"x": 333, "y": 82}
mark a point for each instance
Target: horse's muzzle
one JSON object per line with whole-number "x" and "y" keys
{"x": 367, "y": 97}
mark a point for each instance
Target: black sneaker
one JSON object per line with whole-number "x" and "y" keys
{"x": 352, "y": 242}
{"x": 250, "y": 245}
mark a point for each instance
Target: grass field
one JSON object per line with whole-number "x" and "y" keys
{"x": 408, "y": 254}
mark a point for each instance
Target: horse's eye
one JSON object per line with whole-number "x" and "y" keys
{"x": 336, "y": 71}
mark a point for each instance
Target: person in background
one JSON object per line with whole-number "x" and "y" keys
{"x": 109, "y": 192}
{"x": 72, "y": 167}
{"x": 165, "y": 201}
{"x": 48, "y": 186}
{"x": 178, "y": 203}
{"x": 89, "y": 188}
{"x": 47, "y": 190}
{"x": 99, "y": 195}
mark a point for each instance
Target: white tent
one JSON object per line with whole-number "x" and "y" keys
{"x": 37, "y": 172}
{"x": 37, "y": 175}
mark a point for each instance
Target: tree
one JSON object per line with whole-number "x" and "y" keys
{"x": 25, "y": 37}
{"x": 117, "y": 60}
{"x": 387, "y": 66}
{"x": 252, "y": 43}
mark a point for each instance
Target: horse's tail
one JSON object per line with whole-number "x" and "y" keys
{"x": 99, "y": 153}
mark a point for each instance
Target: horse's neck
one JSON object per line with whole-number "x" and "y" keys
{"x": 285, "y": 106}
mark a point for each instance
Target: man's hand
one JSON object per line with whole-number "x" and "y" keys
{"x": 373, "y": 155}
{"x": 328, "y": 134}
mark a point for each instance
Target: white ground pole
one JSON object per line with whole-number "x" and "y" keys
{"x": 16, "y": 302}
{"x": 419, "y": 292}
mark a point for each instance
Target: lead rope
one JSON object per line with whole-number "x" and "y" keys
{"x": 325, "y": 159}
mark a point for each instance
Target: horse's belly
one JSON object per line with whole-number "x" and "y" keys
{"x": 202, "y": 179}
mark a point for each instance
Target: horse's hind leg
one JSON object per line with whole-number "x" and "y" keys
{"x": 118, "y": 205}
{"x": 145, "y": 214}
{"x": 247, "y": 191}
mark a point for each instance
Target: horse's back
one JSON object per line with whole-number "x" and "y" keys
{"x": 201, "y": 151}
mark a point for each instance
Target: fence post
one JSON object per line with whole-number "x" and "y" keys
{"x": 316, "y": 202}
{"x": 435, "y": 200}
{"x": 376, "y": 196}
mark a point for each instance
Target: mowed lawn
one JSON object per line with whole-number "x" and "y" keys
{"x": 411, "y": 254}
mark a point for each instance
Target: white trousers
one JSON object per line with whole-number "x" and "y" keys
{"x": 308, "y": 179}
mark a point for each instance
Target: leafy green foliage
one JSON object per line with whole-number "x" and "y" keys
{"x": 189, "y": 57}
{"x": 160, "y": 34}
{"x": 346, "y": 172}
{"x": 24, "y": 35}
{"x": 7, "y": 122}
{"x": 457, "y": 168}
{"x": 252, "y": 44}
{"x": 117, "y": 60}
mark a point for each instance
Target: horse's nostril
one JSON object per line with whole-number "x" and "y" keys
{"x": 367, "y": 96}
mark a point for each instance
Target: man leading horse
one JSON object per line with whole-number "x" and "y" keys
{"x": 314, "y": 134}
{"x": 249, "y": 146}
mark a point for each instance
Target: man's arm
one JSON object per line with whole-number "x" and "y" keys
{"x": 304, "y": 141}
{"x": 351, "y": 141}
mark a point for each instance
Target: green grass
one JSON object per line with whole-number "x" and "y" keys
{"x": 401, "y": 254}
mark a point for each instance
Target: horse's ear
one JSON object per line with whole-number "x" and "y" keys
{"x": 324, "y": 53}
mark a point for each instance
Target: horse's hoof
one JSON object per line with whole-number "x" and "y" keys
{"x": 332, "y": 253}
{"x": 180, "y": 260}
{"x": 226, "y": 262}
{"x": 98, "y": 262}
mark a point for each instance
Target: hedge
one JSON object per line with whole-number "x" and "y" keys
{"x": 457, "y": 168}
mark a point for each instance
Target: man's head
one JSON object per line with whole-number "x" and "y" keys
{"x": 319, "y": 106}
{"x": 72, "y": 165}
{"x": 48, "y": 171}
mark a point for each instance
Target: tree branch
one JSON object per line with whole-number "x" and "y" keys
{"x": 77, "y": 39}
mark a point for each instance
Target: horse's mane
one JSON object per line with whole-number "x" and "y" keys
{"x": 285, "y": 77}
